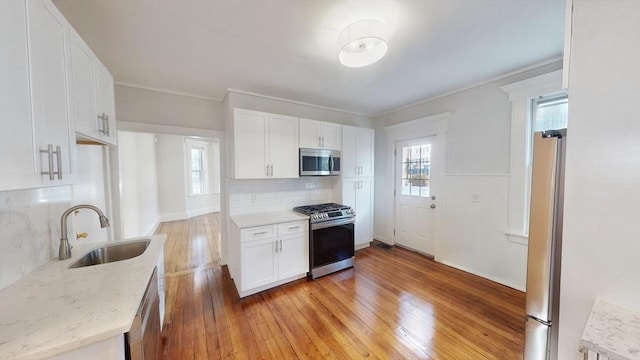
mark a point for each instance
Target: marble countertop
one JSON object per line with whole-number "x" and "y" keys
{"x": 54, "y": 309}
{"x": 613, "y": 332}
{"x": 267, "y": 218}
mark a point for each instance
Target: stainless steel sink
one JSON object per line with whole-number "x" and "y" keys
{"x": 111, "y": 253}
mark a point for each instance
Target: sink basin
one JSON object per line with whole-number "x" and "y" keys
{"x": 111, "y": 253}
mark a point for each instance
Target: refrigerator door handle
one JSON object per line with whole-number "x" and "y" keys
{"x": 536, "y": 339}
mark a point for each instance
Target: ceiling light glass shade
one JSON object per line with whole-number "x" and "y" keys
{"x": 362, "y": 43}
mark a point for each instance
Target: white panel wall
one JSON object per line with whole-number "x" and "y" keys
{"x": 477, "y": 157}
{"x": 601, "y": 248}
{"x": 138, "y": 183}
{"x": 30, "y": 219}
{"x": 475, "y": 238}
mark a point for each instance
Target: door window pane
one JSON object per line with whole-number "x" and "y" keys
{"x": 416, "y": 162}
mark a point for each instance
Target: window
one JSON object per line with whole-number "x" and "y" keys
{"x": 197, "y": 171}
{"x": 415, "y": 170}
{"x": 547, "y": 113}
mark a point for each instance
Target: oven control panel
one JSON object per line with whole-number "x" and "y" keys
{"x": 333, "y": 214}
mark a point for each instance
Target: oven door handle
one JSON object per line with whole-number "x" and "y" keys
{"x": 328, "y": 224}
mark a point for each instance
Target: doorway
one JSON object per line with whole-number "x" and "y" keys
{"x": 416, "y": 188}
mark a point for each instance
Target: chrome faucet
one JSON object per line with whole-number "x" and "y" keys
{"x": 65, "y": 249}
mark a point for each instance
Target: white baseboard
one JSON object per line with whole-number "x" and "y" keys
{"x": 362, "y": 245}
{"x": 172, "y": 216}
{"x": 488, "y": 277}
{"x": 383, "y": 239}
{"x": 201, "y": 211}
{"x": 152, "y": 229}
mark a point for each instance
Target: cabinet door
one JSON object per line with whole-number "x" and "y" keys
{"x": 364, "y": 155}
{"x": 364, "y": 211}
{"x": 250, "y": 146}
{"x": 106, "y": 108}
{"x": 48, "y": 52}
{"x": 349, "y": 188}
{"x": 283, "y": 146}
{"x": 258, "y": 260}
{"x": 293, "y": 258}
{"x": 309, "y": 134}
{"x": 331, "y": 135}
{"x": 349, "y": 151}
{"x": 17, "y": 158}
{"x": 82, "y": 89}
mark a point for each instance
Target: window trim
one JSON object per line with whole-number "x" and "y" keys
{"x": 520, "y": 95}
{"x": 191, "y": 145}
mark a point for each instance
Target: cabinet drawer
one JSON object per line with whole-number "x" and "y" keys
{"x": 257, "y": 233}
{"x": 298, "y": 227}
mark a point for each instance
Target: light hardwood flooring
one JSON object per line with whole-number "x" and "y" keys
{"x": 394, "y": 304}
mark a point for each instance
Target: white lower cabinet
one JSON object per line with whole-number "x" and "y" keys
{"x": 272, "y": 255}
{"x": 358, "y": 193}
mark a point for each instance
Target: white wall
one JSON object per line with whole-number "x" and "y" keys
{"x": 601, "y": 245}
{"x": 155, "y": 107}
{"x": 30, "y": 219}
{"x": 477, "y": 161}
{"x": 138, "y": 183}
{"x": 170, "y": 158}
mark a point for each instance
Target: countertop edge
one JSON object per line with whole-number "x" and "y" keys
{"x": 120, "y": 326}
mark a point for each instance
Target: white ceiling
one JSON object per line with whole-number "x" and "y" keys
{"x": 288, "y": 48}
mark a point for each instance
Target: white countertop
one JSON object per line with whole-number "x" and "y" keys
{"x": 267, "y": 218}
{"x": 53, "y": 309}
{"x": 613, "y": 332}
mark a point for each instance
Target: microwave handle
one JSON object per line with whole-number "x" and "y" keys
{"x": 330, "y": 164}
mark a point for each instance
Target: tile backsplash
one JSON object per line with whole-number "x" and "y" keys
{"x": 254, "y": 196}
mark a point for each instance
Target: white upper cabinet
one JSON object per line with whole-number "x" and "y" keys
{"x": 320, "y": 135}
{"x": 105, "y": 102}
{"x": 357, "y": 151}
{"x": 92, "y": 94}
{"x": 41, "y": 151}
{"x": 17, "y": 158}
{"x": 265, "y": 145}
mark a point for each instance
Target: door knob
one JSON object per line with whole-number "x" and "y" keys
{"x": 433, "y": 206}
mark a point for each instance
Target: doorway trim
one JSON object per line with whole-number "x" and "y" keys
{"x": 434, "y": 125}
{"x": 114, "y": 172}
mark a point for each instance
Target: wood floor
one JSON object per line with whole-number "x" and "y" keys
{"x": 394, "y": 304}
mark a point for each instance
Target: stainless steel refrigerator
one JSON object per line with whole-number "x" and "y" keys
{"x": 545, "y": 245}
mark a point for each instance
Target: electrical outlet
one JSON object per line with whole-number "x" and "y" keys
{"x": 475, "y": 198}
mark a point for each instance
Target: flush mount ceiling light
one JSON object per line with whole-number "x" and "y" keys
{"x": 362, "y": 43}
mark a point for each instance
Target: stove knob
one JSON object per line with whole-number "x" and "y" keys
{"x": 325, "y": 215}
{"x": 314, "y": 216}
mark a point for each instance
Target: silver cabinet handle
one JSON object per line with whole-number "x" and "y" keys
{"x": 49, "y": 153}
{"x": 322, "y": 141}
{"x": 294, "y": 227}
{"x": 319, "y": 141}
{"x": 280, "y": 245}
{"x": 59, "y": 161}
{"x": 260, "y": 233}
{"x": 267, "y": 170}
{"x": 103, "y": 129}
{"x": 271, "y": 168}
{"x": 106, "y": 123}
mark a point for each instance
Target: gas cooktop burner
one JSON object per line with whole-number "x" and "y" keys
{"x": 326, "y": 212}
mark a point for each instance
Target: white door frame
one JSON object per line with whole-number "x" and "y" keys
{"x": 435, "y": 125}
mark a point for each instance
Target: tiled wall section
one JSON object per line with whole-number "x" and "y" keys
{"x": 30, "y": 219}
{"x": 254, "y": 196}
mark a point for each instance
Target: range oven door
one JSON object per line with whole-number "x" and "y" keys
{"x": 332, "y": 246}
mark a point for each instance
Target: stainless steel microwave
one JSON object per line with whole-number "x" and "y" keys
{"x": 319, "y": 162}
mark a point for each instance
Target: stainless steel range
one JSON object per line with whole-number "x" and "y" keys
{"x": 331, "y": 237}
